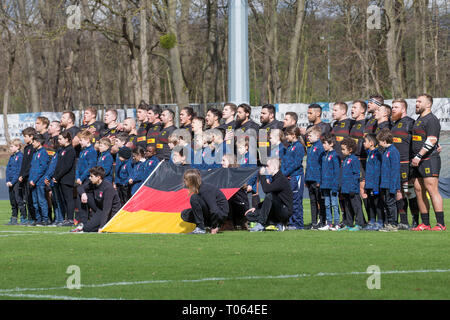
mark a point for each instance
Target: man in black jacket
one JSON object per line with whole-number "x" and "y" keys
{"x": 277, "y": 204}
{"x": 101, "y": 197}
{"x": 28, "y": 152}
{"x": 209, "y": 206}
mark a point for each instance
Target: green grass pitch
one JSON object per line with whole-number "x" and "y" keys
{"x": 231, "y": 265}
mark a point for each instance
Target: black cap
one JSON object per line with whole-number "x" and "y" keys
{"x": 125, "y": 152}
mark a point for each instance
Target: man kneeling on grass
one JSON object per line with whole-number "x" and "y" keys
{"x": 278, "y": 201}
{"x": 101, "y": 197}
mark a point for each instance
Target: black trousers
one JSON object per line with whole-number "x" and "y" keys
{"x": 353, "y": 209}
{"x": 200, "y": 215}
{"x": 271, "y": 209}
{"x": 238, "y": 206}
{"x": 16, "y": 200}
{"x": 94, "y": 222}
{"x": 28, "y": 199}
{"x": 124, "y": 192}
{"x": 375, "y": 211}
{"x": 317, "y": 203}
{"x": 67, "y": 193}
{"x": 84, "y": 208}
{"x": 390, "y": 206}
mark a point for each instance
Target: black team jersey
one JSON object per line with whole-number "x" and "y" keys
{"x": 402, "y": 133}
{"x": 153, "y": 133}
{"x": 162, "y": 143}
{"x": 382, "y": 125}
{"x": 51, "y": 145}
{"x": 357, "y": 134}
{"x": 424, "y": 127}
{"x": 341, "y": 129}
{"x": 371, "y": 125}
{"x": 98, "y": 127}
{"x": 141, "y": 140}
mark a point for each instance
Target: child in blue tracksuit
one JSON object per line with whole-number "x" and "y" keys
{"x": 124, "y": 170}
{"x": 13, "y": 184}
{"x": 39, "y": 166}
{"x": 390, "y": 178}
{"x": 87, "y": 158}
{"x": 330, "y": 165}
{"x": 197, "y": 153}
{"x": 372, "y": 185}
{"x": 277, "y": 148}
{"x": 138, "y": 175}
{"x": 350, "y": 186}
{"x": 292, "y": 168}
{"x": 57, "y": 199}
{"x": 152, "y": 160}
{"x": 312, "y": 177}
{"x": 105, "y": 159}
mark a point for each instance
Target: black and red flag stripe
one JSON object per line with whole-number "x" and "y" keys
{"x": 157, "y": 205}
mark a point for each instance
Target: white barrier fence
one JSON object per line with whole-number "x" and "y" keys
{"x": 18, "y": 122}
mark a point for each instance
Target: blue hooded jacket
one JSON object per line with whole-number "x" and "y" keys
{"x": 373, "y": 170}
{"x": 350, "y": 175}
{"x": 13, "y": 167}
{"x": 313, "y": 162}
{"x": 330, "y": 170}
{"x": 292, "y": 162}
{"x": 39, "y": 166}
{"x": 390, "y": 169}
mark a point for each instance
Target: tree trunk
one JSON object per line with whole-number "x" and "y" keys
{"x": 34, "y": 95}
{"x": 128, "y": 35}
{"x": 144, "y": 53}
{"x": 11, "y": 56}
{"x": 274, "y": 53}
{"x": 423, "y": 32}
{"x": 293, "y": 50}
{"x": 181, "y": 92}
{"x": 394, "y": 12}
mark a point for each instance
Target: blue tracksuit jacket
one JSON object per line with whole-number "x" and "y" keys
{"x": 138, "y": 175}
{"x": 86, "y": 160}
{"x": 39, "y": 166}
{"x": 312, "y": 162}
{"x": 124, "y": 171}
{"x": 106, "y": 161}
{"x": 390, "y": 169}
{"x": 51, "y": 169}
{"x": 292, "y": 162}
{"x": 13, "y": 167}
{"x": 373, "y": 170}
{"x": 350, "y": 174}
{"x": 330, "y": 171}
{"x": 150, "y": 165}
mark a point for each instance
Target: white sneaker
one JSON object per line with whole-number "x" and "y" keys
{"x": 78, "y": 229}
{"x": 335, "y": 228}
{"x": 326, "y": 227}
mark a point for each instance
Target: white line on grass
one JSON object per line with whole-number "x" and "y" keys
{"x": 46, "y": 296}
{"x": 288, "y": 276}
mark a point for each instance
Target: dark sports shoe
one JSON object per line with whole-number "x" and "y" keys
{"x": 389, "y": 228}
{"x": 67, "y": 223}
{"x": 316, "y": 226}
{"x": 403, "y": 226}
{"x": 12, "y": 222}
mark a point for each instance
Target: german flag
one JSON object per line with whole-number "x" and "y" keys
{"x": 156, "y": 207}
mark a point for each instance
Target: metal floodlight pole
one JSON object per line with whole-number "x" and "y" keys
{"x": 238, "y": 70}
